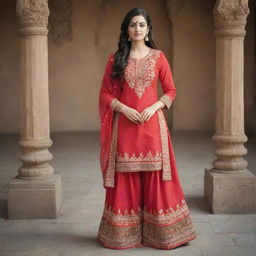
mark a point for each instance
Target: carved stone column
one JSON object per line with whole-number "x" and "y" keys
{"x": 36, "y": 191}
{"x": 229, "y": 186}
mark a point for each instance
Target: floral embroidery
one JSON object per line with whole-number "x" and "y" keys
{"x": 122, "y": 218}
{"x": 168, "y": 216}
{"x": 120, "y": 230}
{"x": 170, "y": 236}
{"x": 135, "y": 163}
{"x": 109, "y": 180}
{"x": 166, "y": 100}
{"x": 167, "y": 175}
{"x": 165, "y": 228}
{"x": 139, "y": 73}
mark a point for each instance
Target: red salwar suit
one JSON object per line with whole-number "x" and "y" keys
{"x": 144, "y": 203}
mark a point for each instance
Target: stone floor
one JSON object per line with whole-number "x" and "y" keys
{"x": 76, "y": 157}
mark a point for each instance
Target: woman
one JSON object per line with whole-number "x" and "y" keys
{"x": 144, "y": 202}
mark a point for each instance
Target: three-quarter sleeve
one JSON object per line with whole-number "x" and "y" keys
{"x": 166, "y": 79}
{"x": 108, "y": 84}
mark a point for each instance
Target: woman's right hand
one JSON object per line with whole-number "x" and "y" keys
{"x": 132, "y": 114}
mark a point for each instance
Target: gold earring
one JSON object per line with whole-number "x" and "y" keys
{"x": 129, "y": 39}
{"x": 147, "y": 38}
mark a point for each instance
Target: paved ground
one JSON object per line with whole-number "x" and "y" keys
{"x": 73, "y": 233}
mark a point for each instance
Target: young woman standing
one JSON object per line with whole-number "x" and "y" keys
{"x": 144, "y": 202}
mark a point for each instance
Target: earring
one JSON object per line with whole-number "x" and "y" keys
{"x": 146, "y": 38}
{"x": 129, "y": 39}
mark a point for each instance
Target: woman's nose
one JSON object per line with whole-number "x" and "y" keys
{"x": 137, "y": 27}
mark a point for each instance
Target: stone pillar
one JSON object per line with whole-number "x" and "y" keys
{"x": 229, "y": 187}
{"x": 35, "y": 193}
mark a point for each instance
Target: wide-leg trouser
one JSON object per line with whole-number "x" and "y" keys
{"x": 140, "y": 210}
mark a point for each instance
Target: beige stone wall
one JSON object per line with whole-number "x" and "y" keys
{"x": 76, "y": 67}
{"x": 9, "y": 69}
{"x": 194, "y": 65}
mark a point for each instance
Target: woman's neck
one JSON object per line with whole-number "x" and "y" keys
{"x": 138, "y": 47}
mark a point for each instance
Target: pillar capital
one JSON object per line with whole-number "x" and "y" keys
{"x": 230, "y": 17}
{"x": 32, "y": 16}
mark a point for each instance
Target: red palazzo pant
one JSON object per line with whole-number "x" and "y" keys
{"x": 141, "y": 210}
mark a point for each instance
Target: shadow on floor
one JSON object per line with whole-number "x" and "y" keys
{"x": 198, "y": 204}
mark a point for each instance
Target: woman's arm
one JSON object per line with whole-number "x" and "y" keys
{"x": 158, "y": 105}
{"x": 166, "y": 79}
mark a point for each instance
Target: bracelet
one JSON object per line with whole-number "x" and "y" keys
{"x": 114, "y": 103}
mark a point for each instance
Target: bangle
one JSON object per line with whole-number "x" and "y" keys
{"x": 114, "y": 103}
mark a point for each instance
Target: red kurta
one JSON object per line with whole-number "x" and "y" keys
{"x": 140, "y": 147}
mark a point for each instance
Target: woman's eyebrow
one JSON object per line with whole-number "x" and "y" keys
{"x": 143, "y": 22}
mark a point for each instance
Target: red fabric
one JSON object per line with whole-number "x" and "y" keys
{"x": 143, "y": 189}
{"x": 147, "y": 134}
{"x": 142, "y": 209}
{"x": 110, "y": 89}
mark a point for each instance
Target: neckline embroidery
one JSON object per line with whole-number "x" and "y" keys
{"x": 139, "y": 73}
{"x": 138, "y": 59}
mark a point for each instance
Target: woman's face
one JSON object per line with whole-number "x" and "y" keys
{"x": 137, "y": 28}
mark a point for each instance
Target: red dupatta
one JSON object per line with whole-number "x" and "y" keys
{"x": 110, "y": 90}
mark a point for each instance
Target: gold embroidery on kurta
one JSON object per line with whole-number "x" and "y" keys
{"x": 167, "y": 175}
{"x": 166, "y": 100}
{"x": 109, "y": 180}
{"x": 133, "y": 163}
{"x": 139, "y": 73}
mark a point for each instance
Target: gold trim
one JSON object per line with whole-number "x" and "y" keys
{"x": 167, "y": 175}
{"x": 133, "y": 163}
{"x": 164, "y": 229}
{"x": 138, "y": 167}
{"x": 166, "y": 100}
{"x": 120, "y": 230}
{"x": 170, "y": 236}
{"x": 168, "y": 216}
{"x": 109, "y": 180}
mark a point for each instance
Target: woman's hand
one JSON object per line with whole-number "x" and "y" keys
{"x": 147, "y": 113}
{"x": 132, "y": 114}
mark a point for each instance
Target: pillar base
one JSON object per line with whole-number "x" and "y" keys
{"x": 35, "y": 199}
{"x": 230, "y": 193}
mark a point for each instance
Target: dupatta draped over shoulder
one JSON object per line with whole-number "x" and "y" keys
{"x": 109, "y": 91}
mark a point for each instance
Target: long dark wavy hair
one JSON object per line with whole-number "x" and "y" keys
{"x": 124, "y": 46}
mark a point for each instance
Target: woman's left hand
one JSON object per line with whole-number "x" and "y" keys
{"x": 147, "y": 113}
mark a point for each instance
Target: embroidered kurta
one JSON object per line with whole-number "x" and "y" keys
{"x": 143, "y": 146}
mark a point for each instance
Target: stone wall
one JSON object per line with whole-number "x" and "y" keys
{"x": 90, "y": 32}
